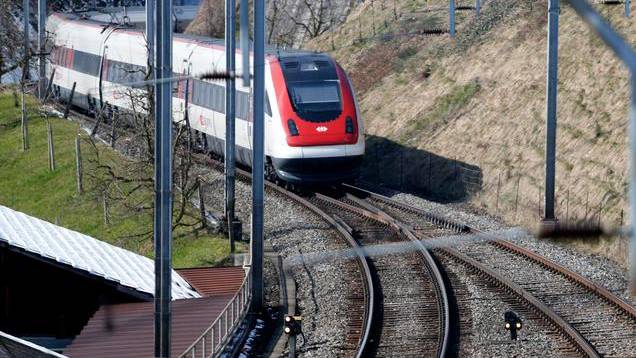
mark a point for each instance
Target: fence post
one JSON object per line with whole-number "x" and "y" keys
{"x": 78, "y": 163}
{"x": 498, "y": 187}
{"x": 201, "y": 204}
{"x": 517, "y": 196}
{"x": 627, "y": 8}
{"x": 49, "y": 136}
{"x": 106, "y": 209}
{"x": 567, "y": 207}
{"x": 112, "y": 130}
{"x": 70, "y": 101}
{"x": 25, "y": 124}
{"x": 478, "y": 7}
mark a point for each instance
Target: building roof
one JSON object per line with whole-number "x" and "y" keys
{"x": 81, "y": 252}
{"x": 213, "y": 281}
{"x": 11, "y": 346}
{"x": 127, "y": 330}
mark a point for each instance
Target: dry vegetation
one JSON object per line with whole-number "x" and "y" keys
{"x": 481, "y": 99}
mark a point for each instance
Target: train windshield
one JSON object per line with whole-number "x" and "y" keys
{"x": 316, "y": 98}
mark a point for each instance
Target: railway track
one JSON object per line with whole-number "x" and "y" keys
{"x": 588, "y": 319}
{"x": 412, "y": 311}
{"x": 361, "y": 315}
{"x": 595, "y": 321}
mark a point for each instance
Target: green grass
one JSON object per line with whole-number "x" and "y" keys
{"x": 444, "y": 108}
{"x": 27, "y": 185}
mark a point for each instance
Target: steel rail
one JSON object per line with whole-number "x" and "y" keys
{"x": 369, "y": 211}
{"x": 346, "y": 232}
{"x": 572, "y": 276}
{"x": 570, "y": 332}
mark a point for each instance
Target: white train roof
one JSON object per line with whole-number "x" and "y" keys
{"x": 82, "y": 252}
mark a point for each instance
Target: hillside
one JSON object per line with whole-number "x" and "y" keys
{"x": 462, "y": 120}
{"x": 27, "y": 185}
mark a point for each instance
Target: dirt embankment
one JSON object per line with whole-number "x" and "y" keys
{"x": 464, "y": 119}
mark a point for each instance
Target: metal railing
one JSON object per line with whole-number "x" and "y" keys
{"x": 214, "y": 338}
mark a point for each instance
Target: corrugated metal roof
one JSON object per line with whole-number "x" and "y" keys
{"x": 11, "y": 346}
{"x": 211, "y": 281}
{"x": 127, "y": 330}
{"x": 84, "y": 253}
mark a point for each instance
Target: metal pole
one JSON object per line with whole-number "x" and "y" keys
{"x": 258, "y": 156}
{"x": 632, "y": 187}
{"x": 25, "y": 29}
{"x": 551, "y": 106}
{"x": 451, "y": 14}
{"x": 163, "y": 175}
{"x": 245, "y": 42}
{"x": 627, "y": 8}
{"x": 41, "y": 49}
{"x": 230, "y": 120}
{"x": 150, "y": 31}
{"x": 478, "y": 7}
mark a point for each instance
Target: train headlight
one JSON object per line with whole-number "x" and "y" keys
{"x": 291, "y": 125}
{"x": 507, "y": 325}
{"x": 349, "y": 125}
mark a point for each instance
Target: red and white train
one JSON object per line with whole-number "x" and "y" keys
{"x": 313, "y": 129}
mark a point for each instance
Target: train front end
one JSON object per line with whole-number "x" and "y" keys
{"x": 322, "y": 134}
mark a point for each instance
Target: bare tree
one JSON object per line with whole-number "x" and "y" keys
{"x": 129, "y": 182}
{"x": 11, "y": 38}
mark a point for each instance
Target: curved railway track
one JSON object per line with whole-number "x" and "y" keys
{"x": 593, "y": 321}
{"x": 412, "y": 312}
{"x": 596, "y": 321}
{"x": 361, "y": 316}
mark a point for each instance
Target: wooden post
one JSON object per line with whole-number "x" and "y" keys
{"x": 106, "y": 209}
{"x": 567, "y": 207}
{"x": 48, "y": 86}
{"x": 517, "y": 196}
{"x": 112, "y": 130}
{"x": 70, "y": 101}
{"x": 78, "y": 163}
{"x": 25, "y": 124}
{"x": 49, "y": 132}
{"x": 498, "y": 188}
{"x": 201, "y": 204}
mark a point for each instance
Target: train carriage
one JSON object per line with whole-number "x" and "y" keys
{"x": 313, "y": 130}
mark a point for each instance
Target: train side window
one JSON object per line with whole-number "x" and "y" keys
{"x": 87, "y": 63}
{"x": 268, "y": 107}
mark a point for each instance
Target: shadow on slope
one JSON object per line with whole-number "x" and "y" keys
{"x": 419, "y": 172}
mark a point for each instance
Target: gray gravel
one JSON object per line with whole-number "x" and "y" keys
{"x": 321, "y": 288}
{"x": 595, "y": 267}
{"x": 488, "y": 337}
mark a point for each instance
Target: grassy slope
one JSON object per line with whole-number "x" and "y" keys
{"x": 27, "y": 185}
{"x": 498, "y": 124}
